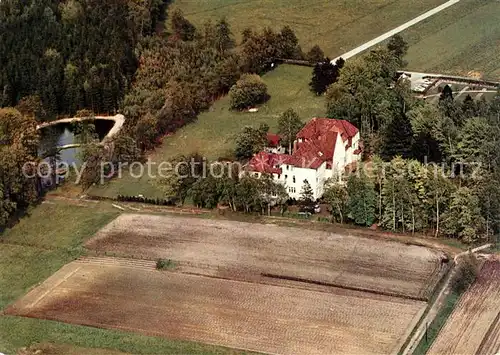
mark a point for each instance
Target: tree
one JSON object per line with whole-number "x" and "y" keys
{"x": 397, "y": 138}
{"x": 248, "y": 194}
{"x": 449, "y": 107}
{"x": 249, "y": 91}
{"x": 478, "y": 143}
{"x": 435, "y": 189}
{"x": 446, "y": 94}
{"x": 204, "y": 192}
{"x": 224, "y": 38}
{"x": 336, "y": 196}
{"x": 399, "y": 47}
{"x": 362, "y": 199}
{"x": 146, "y": 131}
{"x": 32, "y": 106}
{"x": 93, "y": 156}
{"x": 181, "y": 27}
{"x": 401, "y": 205}
{"x": 289, "y": 124}
{"x": 324, "y": 74}
{"x": 124, "y": 149}
{"x": 465, "y": 274}
{"x": 362, "y": 94}
{"x": 288, "y": 44}
{"x": 177, "y": 182}
{"x": 306, "y": 193}
{"x": 463, "y": 219}
{"x": 487, "y": 188}
{"x": 427, "y": 144}
{"x": 469, "y": 107}
{"x": 315, "y": 55}
{"x": 251, "y": 141}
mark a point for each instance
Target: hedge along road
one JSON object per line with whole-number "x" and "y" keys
{"x": 396, "y": 30}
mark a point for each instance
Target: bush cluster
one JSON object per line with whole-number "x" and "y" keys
{"x": 164, "y": 264}
{"x": 151, "y": 201}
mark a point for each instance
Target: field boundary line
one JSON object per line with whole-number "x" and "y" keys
{"x": 414, "y": 323}
{"x": 396, "y": 30}
{"x": 350, "y": 288}
{"x": 57, "y": 284}
{"x": 491, "y": 329}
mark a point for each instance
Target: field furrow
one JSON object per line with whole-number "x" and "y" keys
{"x": 264, "y": 318}
{"x": 245, "y": 251}
{"x": 473, "y": 327}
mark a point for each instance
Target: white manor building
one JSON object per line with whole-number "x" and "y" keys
{"x": 324, "y": 148}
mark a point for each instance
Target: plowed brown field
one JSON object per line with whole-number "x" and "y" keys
{"x": 474, "y": 325}
{"x": 132, "y": 295}
{"x": 245, "y": 251}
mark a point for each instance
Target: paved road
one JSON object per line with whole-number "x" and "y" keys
{"x": 391, "y": 33}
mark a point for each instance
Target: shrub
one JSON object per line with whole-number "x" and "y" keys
{"x": 249, "y": 91}
{"x": 466, "y": 273}
{"x": 164, "y": 264}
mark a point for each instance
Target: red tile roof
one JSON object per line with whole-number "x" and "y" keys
{"x": 273, "y": 140}
{"x": 265, "y": 162}
{"x": 320, "y": 126}
{"x": 319, "y": 138}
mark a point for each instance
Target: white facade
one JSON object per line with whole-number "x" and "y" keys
{"x": 309, "y": 161}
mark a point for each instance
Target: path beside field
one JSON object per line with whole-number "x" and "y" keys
{"x": 396, "y": 30}
{"x": 438, "y": 303}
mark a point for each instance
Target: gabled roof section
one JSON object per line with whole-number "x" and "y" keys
{"x": 264, "y": 162}
{"x": 321, "y": 126}
{"x": 317, "y": 142}
{"x": 273, "y": 140}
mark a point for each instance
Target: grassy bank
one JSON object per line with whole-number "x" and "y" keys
{"x": 17, "y": 332}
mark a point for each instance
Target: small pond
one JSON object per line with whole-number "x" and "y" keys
{"x": 63, "y": 134}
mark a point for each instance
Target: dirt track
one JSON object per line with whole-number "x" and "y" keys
{"x": 236, "y": 314}
{"x": 474, "y": 325}
{"x": 244, "y": 251}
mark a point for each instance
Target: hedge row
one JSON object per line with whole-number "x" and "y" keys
{"x": 151, "y": 201}
{"x": 125, "y": 198}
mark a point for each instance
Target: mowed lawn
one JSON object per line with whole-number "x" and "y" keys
{"x": 337, "y": 26}
{"x": 213, "y": 134}
{"x": 464, "y": 38}
{"x": 49, "y": 237}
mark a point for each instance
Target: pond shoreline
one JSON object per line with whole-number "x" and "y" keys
{"x": 118, "y": 120}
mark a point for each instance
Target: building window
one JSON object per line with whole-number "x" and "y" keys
{"x": 286, "y": 177}
{"x": 287, "y": 167}
{"x": 294, "y": 179}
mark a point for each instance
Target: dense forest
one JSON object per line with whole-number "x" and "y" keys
{"x": 72, "y": 54}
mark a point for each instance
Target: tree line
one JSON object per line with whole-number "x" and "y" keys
{"x": 18, "y": 145}
{"x": 408, "y": 196}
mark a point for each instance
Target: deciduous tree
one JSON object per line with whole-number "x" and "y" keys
{"x": 249, "y": 91}
{"x": 362, "y": 199}
{"x": 289, "y": 124}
